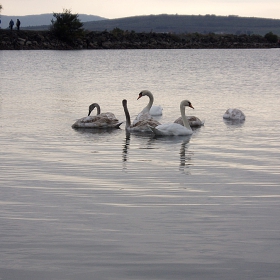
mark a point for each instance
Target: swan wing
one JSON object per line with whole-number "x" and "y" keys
{"x": 98, "y": 121}
{"x": 234, "y": 114}
{"x": 141, "y": 117}
{"x": 83, "y": 121}
{"x": 193, "y": 121}
{"x": 179, "y": 121}
{"x": 108, "y": 115}
{"x": 144, "y": 125}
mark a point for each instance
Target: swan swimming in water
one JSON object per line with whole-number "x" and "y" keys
{"x": 149, "y": 110}
{"x": 175, "y": 129}
{"x": 234, "y": 114}
{"x": 101, "y": 120}
{"x": 140, "y": 126}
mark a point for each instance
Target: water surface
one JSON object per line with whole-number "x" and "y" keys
{"x": 86, "y": 204}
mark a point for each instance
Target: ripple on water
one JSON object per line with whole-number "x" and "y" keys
{"x": 110, "y": 204}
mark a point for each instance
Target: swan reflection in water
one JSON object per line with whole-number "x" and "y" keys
{"x": 125, "y": 148}
{"x": 146, "y": 142}
{"x": 233, "y": 124}
{"x": 185, "y": 157}
{"x": 152, "y": 142}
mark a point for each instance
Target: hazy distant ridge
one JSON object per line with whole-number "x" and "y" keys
{"x": 43, "y": 19}
{"x": 189, "y": 24}
{"x": 162, "y": 23}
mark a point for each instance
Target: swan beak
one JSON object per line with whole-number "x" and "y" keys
{"x": 191, "y": 106}
{"x": 140, "y": 95}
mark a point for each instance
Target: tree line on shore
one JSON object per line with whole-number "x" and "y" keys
{"x": 68, "y": 30}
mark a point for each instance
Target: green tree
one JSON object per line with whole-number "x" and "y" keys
{"x": 67, "y": 26}
{"x": 270, "y": 37}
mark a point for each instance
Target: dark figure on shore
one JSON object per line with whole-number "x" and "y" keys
{"x": 11, "y": 24}
{"x": 18, "y": 24}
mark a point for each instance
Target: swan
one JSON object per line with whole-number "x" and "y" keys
{"x": 193, "y": 121}
{"x": 234, "y": 114}
{"x": 149, "y": 110}
{"x": 101, "y": 120}
{"x": 142, "y": 125}
{"x": 156, "y": 110}
{"x": 175, "y": 129}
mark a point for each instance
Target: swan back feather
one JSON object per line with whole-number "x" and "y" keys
{"x": 156, "y": 110}
{"x": 193, "y": 121}
{"x": 234, "y": 114}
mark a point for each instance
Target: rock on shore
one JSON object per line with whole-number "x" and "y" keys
{"x": 45, "y": 40}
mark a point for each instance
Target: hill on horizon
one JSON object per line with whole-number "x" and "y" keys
{"x": 41, "y": 20}
{"x": 163, "y": 23}
{"x": 189, "y": 24}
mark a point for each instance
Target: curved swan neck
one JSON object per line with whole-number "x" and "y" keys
{"x": 183, "y": 114}
{"x": 151, "y": 100}
{"x": 127, "y": 115}
{"x": 92, "y": 106}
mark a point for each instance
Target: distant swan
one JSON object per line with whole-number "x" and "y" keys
{"x": 193, "y": 121}
{"x": 149, "y": 110}
{"x": 234, "y": 114}
{"x": 175, "y": 129}
{"x": 156, "y": 110}
{"x": 104, "y": 120}
{"x": 141, "y": 125}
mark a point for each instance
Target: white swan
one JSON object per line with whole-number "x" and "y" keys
{"x": 175, "y": 129}
{"x": 193, "y": 121}
{"x": 101, "y": 120}
{"x": 156, "y": 110}
{"x": 234, "y": 114}
{"x": 149, "y": 110}
{"x": 141, "y": 125}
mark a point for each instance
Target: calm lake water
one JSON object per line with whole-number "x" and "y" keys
{"x": 84, "y": 204}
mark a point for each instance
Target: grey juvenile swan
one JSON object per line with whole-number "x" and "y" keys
{"x": 101, "y": 120}
{"x": 234, "y": 114}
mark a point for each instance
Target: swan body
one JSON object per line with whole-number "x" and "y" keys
{"x": 193, "y": 121}
{"x": 149, "y": 110}
{"x": 142, "y": 125}
{"x": 234, "y": 114}
{"x": 156, "y": 110}
{"x": 175, "y": 129}
{"x": 101, "y": 120}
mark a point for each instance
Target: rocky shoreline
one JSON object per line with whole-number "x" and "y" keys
{"x": 118, "y": 39}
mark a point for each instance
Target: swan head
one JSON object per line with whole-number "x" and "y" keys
{"x": 91, "y": 108}
{"x": 124, "y": 102}
{"x": 143, "y": 93}
{"x": 186, "y": 103}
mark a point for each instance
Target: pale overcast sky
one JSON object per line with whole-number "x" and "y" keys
{"x": 126, "y": 8}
